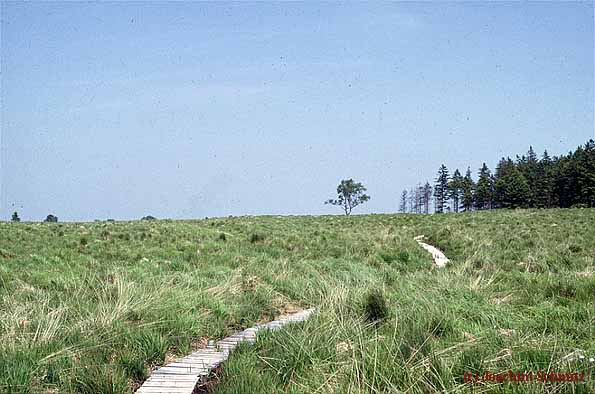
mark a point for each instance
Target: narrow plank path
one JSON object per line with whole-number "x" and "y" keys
{"x": 439, "y": 258}
{"x": 181, "y": 376}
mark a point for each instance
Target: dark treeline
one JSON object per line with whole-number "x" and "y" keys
{"x": 528, "y": 181}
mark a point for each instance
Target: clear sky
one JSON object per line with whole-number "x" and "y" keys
{"x": 187, "y": 110}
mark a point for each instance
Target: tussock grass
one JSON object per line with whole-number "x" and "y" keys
{"x": 94, "y": 316}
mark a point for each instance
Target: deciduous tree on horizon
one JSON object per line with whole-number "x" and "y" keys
{"x": 51, "y": 219}
{"x": 350, "y": 194}
{"x": 427, "y": 197}
{"x": 403, "y": 205}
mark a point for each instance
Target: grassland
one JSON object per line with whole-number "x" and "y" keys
{"x": 91, "y": 307}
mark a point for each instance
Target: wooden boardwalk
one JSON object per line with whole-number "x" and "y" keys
{"x": 181, "y": 376}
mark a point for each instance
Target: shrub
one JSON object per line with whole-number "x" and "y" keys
{"x": 574, "y": 248}
{"x": 124, "y": 236}
{"x": 387, "y": 257}
{"x": 222, "y": 237}
{"x": 403, "y": 256}
{"x": 375, "y": 307}
{"x": 255, "y": 237}
{"x": 51, "y": 219}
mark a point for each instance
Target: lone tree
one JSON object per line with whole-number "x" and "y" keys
{"x": 15, "y": 217}
{"x": 51, "y": 219}
{"x": 349, "y": 195}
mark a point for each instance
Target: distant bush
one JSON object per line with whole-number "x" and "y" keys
{"x": 51, "y": 219}
{"x": 149, "y": 217}
{"x": 255, "y": 237}
{"x": 84, "y": 241}
{"x": 124, "y": 236}
{"x": 375, "y": 307}
{"x": 15, "y": 217}
{"x": 222, "y": 237}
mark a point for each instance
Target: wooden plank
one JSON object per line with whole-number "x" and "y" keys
{"x": 181, "y": 376}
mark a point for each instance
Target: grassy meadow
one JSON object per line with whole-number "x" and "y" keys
{"x": 92, "y": 307}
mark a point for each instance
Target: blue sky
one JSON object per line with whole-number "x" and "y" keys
{"x": 187, "y": 110}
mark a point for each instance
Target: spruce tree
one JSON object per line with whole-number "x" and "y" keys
{"x": 585, "y": 171}
{"x": 454, "y": 189}
{"x": 441, "y": 189}
{"x": 513, "y": 190}
{"x": 484, "y": 192}
{"x": 468, "y": 190}
{"x": 531, "y": 155}
{"x": 544, "y": 187}
{"x": 564, "y": 181}
{"x": 527, "y": 165}
{"x": 504, "y": 168}
{"x": 559, "y": 181}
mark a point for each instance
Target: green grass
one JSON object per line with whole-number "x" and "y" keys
{"x": 91, "y": 307}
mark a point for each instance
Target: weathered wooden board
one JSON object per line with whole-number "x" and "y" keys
{"x": 181, "y": 376}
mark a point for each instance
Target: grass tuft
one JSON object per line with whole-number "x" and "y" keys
{"x": 375, "y": 307}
